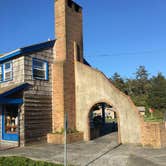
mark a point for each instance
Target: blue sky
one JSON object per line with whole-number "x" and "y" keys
{"x": 119, "y": 35}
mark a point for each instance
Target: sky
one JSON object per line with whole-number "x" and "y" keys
{"x": 119, "y": 35}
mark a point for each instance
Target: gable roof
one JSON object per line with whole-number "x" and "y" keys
{"x": 28, "y": 49}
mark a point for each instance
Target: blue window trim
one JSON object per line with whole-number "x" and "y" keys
{"x": 3, "y": 71}
{"x": 46, "y": 72}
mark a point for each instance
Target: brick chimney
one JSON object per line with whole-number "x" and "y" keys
{"x": 68, "y": 49}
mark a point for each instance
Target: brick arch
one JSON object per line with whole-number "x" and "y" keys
{"x": 92, "y": 87}
{"x": 114, "y": 110}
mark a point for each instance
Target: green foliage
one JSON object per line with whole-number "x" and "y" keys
{"x": 118, "y": 81}
{"x": 157, "y": 96}
{"x": 156, "y": 116}
{"x": 144, "y": 91}
{"x": 22, "y": 161}
{"x": 153, "y": 119}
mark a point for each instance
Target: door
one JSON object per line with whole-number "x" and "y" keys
{"x": 10, "y": 122}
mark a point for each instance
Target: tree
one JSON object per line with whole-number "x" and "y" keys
{"x": 157, "y": 95}
{"x": 118, "y": 81}
{"x": 141, "y": 73}
{"x": 142, "y": 82}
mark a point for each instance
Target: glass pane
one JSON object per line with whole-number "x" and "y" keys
{"x": 11, "y": 120}
{"x": 8, "y": 75}
{"x": 39, "y": 73}
{"x": 7, "y": 65}
{"x": 0, "y": 77}
{"x": 39, "y": 64}
{"x": 0, "y": 69}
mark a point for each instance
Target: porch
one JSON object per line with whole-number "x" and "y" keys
{"x": 11, "y": 100}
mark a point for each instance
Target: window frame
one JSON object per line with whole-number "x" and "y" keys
{"x": 3, "y": 71}
{"x": 7, "y": 70}
{"x": 46, "y": 70}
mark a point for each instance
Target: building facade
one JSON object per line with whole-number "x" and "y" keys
{"x": 41, "y": 82}
{"x": 26, "y": 93}
{"x": 32, "y": 88}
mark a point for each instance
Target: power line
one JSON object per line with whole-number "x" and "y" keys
{"x": 136, "y": 53}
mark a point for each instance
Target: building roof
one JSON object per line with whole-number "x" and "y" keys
{"x": 5, "y": 91}
{"x": 30, "y": 49}
{"x": 141, "y": 109}
{"x": 26, "y": 50}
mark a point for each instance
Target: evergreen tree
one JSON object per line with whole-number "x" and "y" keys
{"x": 142, "y": 83}
{"x": 118, "y": 81}
{"x": 157, "y": 95}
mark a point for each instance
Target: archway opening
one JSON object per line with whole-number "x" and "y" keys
{"x": 103, "y": 120}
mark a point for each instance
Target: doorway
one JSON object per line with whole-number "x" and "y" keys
{"x": 10, "y": 122}
{"x": 102, "y": 120}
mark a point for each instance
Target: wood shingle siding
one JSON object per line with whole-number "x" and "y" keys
{"x": 18, "y": 72}
{"x": 38, "y": 100}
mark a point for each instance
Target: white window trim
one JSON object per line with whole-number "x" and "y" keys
{"x": 45, "y": 69}
{"x": 7, "y": 71}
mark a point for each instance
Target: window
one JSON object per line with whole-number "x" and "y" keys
{"x": 40, "y": 69}
{"x": 1, "y": 76}
{"x": 11, "y": 119}
{"x": 7, "y": 71}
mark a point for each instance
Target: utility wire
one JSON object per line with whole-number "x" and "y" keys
{"x": 134, "y": 53}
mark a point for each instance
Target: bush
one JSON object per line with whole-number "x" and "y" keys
{"x": 22, "y": 161}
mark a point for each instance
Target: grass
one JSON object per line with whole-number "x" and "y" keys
{"x": 107, "y": 120}
{"x": 157, "y": 116}
{"x": 153, "y": 119}
{"x": 22, "y": 161}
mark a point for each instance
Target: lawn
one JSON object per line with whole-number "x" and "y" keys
{"x": 22, "y": 161}
{"x": 157, "y": 116}
{"x": 153, "y": 119}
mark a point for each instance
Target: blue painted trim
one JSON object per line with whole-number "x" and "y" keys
{"x": 29, "y": 49}
{"x": 47, "y": 71}
{"x": 18, "y": 88}
{"x": 10, "y": 55}
{"x": 11, "y": 101}
{"x": 2, "y": 72}
{"x": 6, "y": 136}
{"x": 33, "y": 68}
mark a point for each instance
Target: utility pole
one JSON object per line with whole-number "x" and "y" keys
{"x": 103, "y": 106}
{"x": 65, "y": 138}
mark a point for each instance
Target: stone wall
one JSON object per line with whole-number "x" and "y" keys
{"x": 154, "y": 134}
{"x": 93, "y": 87}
